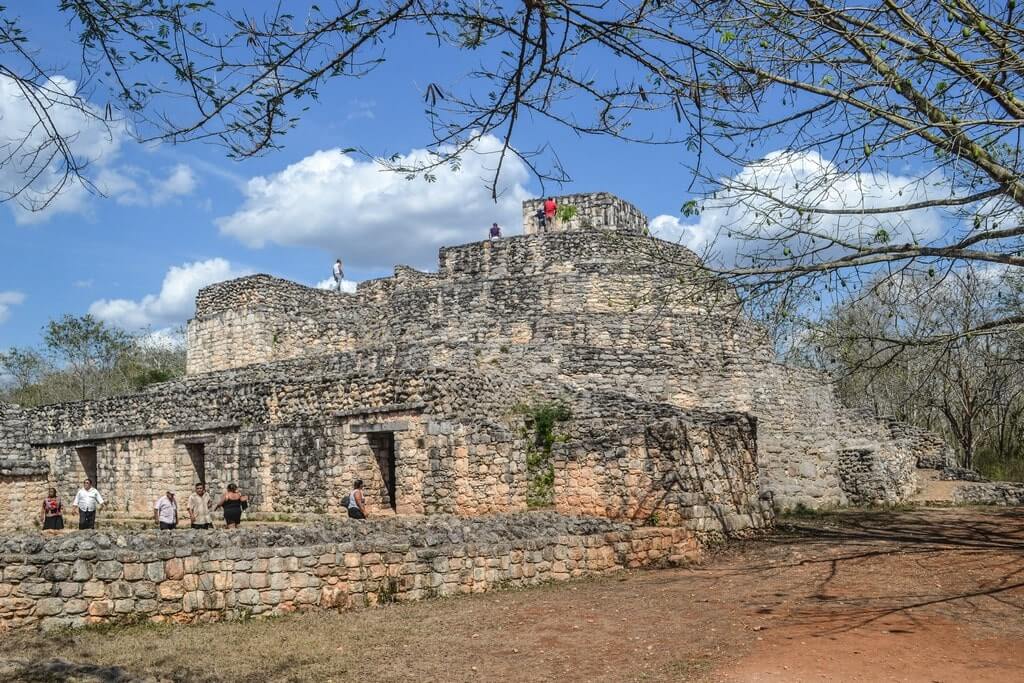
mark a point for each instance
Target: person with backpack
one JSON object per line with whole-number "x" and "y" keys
{"x": 355, "y": 502}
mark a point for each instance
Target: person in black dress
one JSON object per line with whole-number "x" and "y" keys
{"x": 233, "y": 503}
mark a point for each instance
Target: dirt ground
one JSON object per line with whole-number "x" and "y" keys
{"x": 925, "y": 595}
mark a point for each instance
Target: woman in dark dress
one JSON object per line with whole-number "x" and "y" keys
{"x": 233, "y": 503}
{"x": 53, "y": 511}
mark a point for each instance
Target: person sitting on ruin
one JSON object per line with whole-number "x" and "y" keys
{"x": 87, "y": 503}
{"x": 339, "y": 274}
{"x": 550, "y": 208}
{"x": 165, "y": 511}
{"x": 199, "y": 505}
{"x": 233, "y": 503}
{"x": 53, "y": 511}
{"x": 356, "y": 502}
{"x": 495, "y": 231}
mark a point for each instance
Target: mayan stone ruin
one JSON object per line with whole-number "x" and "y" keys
{"x": 416, "y": 384}
{"x": 427, "y": 385}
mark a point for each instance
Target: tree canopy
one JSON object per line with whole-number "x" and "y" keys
{"x": 822, "y": 133}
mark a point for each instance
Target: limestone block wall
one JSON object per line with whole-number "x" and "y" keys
{"x": 21, "y": 498}
{"x": 132, "y": 471}
{"x": 260, "y": 319}
{"x": 294, "y": 436}
{"x": 596, "y": 210}
{"x": 870, "y": 478}
{"x": 23, "y": 480}
{"x": 669, "y": 467}
{"x": 94, "y": 577}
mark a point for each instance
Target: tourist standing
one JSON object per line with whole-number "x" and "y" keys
{"x": 53, "y": 511}
{"x": 88, "y": 502}
{"x": 199, "y": 505}
{"x": 550, "y": 207}
{"x": 495, "y": 231}
{"x": 233, "y": 503}
{"x": 165, "y": 511}
{"x": 356, "y": 502}
{"x": 339, "y": 274}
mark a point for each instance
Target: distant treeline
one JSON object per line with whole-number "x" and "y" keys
{"x": 924, "y": 352}
{"x": 84, "y": 358}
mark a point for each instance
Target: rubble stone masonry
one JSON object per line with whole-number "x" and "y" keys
{"x": 97, "y": 577}
{"x": 421, "y": 384}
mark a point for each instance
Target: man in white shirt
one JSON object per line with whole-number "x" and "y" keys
{"x": 199, "y": 508}
{"x": 165, "y": 511}
{"x": 87, "y": 501}
{"x": 339, "y": 274}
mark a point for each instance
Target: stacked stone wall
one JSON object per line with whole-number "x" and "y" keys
{"x": 23, "y": 476}
{"x": 594, "y": 211}
{"x": 278, "y": 373}
{"x": 95, "y": 577}
{"x": 693, "y": 470}
{"x": 297, "y": 446}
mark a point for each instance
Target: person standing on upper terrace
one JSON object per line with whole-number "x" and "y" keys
{"x": 339, "y": 274}
{"x": 495, "y": 233}
{"x": 87, "y": 502}
{"x": 550, "y": 208}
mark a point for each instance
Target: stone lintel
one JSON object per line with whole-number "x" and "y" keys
{"x": 88, "y": 437}
{"x": 375, "y": 410}
{"x": 376, "y": 427}
{"x": 196, "y": 439}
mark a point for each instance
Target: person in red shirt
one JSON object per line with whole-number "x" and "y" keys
{"x": 550, "y": 207}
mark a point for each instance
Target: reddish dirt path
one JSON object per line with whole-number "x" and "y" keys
{"x": 929, "y": 595}
{"x": 922, "y": 596}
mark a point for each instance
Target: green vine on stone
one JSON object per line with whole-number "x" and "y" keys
{"x": 541, "y": 419}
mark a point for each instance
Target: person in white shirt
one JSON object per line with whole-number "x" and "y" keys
{"x": 87, "y": 501}
{"x": 165, "y": 511}
{"x": 199, "y": 508}
{"x": 339, "y": 274}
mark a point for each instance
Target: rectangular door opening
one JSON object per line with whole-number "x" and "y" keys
{"x": 87, "y": 459}
{"x": 197, "y": 454}
{"x": 383, "y": 445}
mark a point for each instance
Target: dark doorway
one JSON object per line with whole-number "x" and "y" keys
{"x": 87, "y": 458}
{"x": 383, "y": 445}
{"x": 197, "y": 454}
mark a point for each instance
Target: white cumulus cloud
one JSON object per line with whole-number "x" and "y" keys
{"x": 348, "y": 286}
{"x": 374, "y": 218}
{"x": 33, "y": 169}
{"x": 176, "y": 300}
{"x": 8, "y": 299}
{"x": 133, "y": 186}
{"x": 741, "y": 221}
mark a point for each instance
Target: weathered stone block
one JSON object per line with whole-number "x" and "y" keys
{"x": 48, "y": 607}
{"x": 171, "y": 590}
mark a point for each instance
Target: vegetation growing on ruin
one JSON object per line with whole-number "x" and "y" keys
{"x": 567, "y": 212}
{"x": 540, "y": 430}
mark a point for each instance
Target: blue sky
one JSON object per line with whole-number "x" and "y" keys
{"x": 167, "y": 204}
{"x": 179, "y": 217}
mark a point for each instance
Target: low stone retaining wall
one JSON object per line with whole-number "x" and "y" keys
{"x": 89, "y": 577}
{"x": 990, "y": 493}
